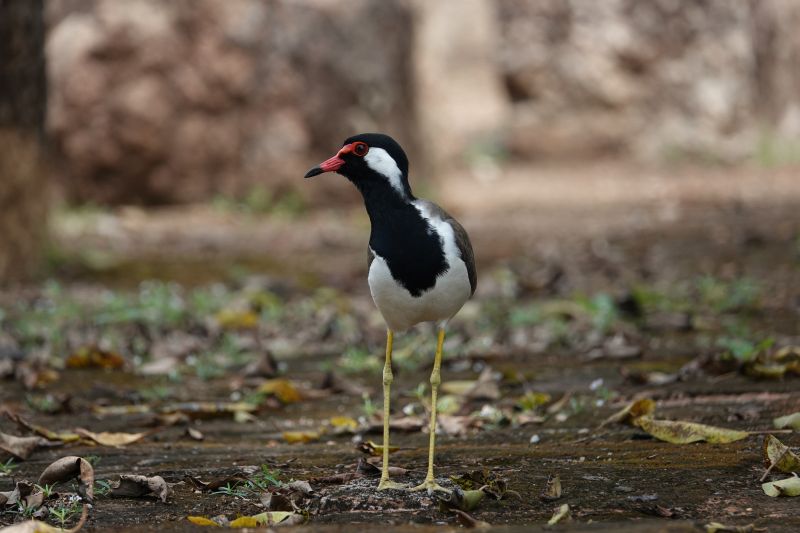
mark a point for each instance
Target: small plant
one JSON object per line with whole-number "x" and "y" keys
{"x": 742, "y": 349}
{"x": 64, "y": 513}
{"x": 102, "y": 487}
{"x": 263, "y": 480}
{"x": 93, "y": 460}
{"x": 232, "y": 489}
{"x": 46, "y": 490}
{"x": 368, "y": 406}
{"x": 8, "y": 467}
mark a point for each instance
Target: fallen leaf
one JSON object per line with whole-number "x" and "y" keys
{"x": 716, "y": 527}
{"x": 680, "y": 432}
{"x": 470, "y": 522}
{"x": 455, "y": 425}
{"x": 551, "y": 491}
{"x": 532, "y": 400}
{"x": 293, "y": 437}
{"x": 562, "y": 513}
{"x": 342, "y": 424}
{"x": 484, "y": 388}
{"x": 236, "y": 319}
{"x": 21, "y": 447}
{"x": 785, "y": 487}
{"x": 779, "y": 456}
{"x": 632, "y": 411}
{"x": 265, "y": 519}
{"x": 371, "y": 448}
{"x": 202, "y": 521}
{"x": 373, "y": 467}
{"x": 789, "y": 421}
{"x": 65, "y": 437}
{"x": 464, "y": 500}
{"x": 337, "y": 479}
{"x": 195, "y": 434}
{"x": 135, "y": 486}
{"x": 94, "y": 357}
{"x": 67, "y": 468}
{"x": 283, "y": 389}
{"x": 106, "y": 438}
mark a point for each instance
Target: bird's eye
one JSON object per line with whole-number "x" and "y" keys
{"x": 360, "y": 149}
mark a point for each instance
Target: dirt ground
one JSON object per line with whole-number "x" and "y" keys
{"x": 554, "y": 238}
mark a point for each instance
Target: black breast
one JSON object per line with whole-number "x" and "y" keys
{"x": 411, "y": 248}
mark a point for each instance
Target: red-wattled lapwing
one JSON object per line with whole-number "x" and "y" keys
{"x": 421, "y": 265}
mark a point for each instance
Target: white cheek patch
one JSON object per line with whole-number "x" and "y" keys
{"x": 381, "y": 162}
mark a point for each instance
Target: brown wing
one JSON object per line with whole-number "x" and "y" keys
{"x": 462, "y": 241}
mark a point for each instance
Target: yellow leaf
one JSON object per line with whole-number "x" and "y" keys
{"x": 775, "y": 452}
{"x": 202, "y": 521}
{"x": 562, "y": 513}
{"x": 785, "y": 487}
{"x": 344, "y": 423}
{"x": 458, "y": 388}
{"x": 282, "y": 389}
{"x": 94, "y": 357}
{"x": 234, "y": 319}
{"x": 716, "y": 527}
{"x": 532, "y": 400}
{"x": 293, "y": 437}
{"x": 680, "y": 432}
{"x": 110, "y": 439}
{"x": 262, "y": 519}
{"x": 370, "y": 448}
{"x": 632, "y": 411}
{"x": 788, "y": 421}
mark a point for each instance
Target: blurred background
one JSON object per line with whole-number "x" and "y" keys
{"x": 558, "y": 115}
{"x": 628, "y": 171}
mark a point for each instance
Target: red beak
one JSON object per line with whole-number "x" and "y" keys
{"x": 330, "y": 165}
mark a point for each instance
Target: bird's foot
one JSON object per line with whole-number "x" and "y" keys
{"x": 429, "y": 485}
{"x": 387, "y": 484}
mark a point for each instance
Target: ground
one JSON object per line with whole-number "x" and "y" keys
{"x": 599, "y": 285}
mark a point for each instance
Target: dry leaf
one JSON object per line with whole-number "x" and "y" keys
{"x": 110, "y": 439}
{"x": 778, "y": 454}
{"x": 265, "y": 519}
{"x": 202, "y": 521}
{"x": 371, "y": 448}
{"x": 65, "y": 437}
{"x": 552, "y": 490}
{"x": 135, "y": 486}
{"x": 21, "y": 447}
{"x": 68, "y": 468}
{"x": 680, "y": 432}
{"x": 469, "y": 522}
{"x": 94, "y": 357}
{"x": 195, "y": 434}
{"x": 789, "y": 421}
{"x": 562, "y": 513}
{"x": 464, "y": 500}
{"x": 785, "y": 487}
{"x": 237, "y": 319}
{"x": 632, "y": 411}
{"x": 716, "y": 527}
{"x": 343, "y": 424}
{"x": 293, "y": 437}
{"x": 283, "y": 389}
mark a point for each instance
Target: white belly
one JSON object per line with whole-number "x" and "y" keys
{"x": 400, "y": 310}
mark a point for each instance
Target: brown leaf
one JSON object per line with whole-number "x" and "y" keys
{"x": 110, "y": 439}
{"x": 68, "y": 468}
{"x": 64, "y": 437}
{"x": 551, "y": 491}
{"x": 94, "y": 357}
{"x": 779, "y": 456}
{"x": 135, "y": 486}
{"x": 632, "y": 411}
{"x": 372, "y": 448}
{"x": 216, "y": 483}
{"x": 21, "y": 447}
{"x": 680, "y": 432}
{"x": 469, "y": 522}
{"x": 337, "y": 479}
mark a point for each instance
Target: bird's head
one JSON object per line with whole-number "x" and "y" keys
{"x": 371, "y": 161}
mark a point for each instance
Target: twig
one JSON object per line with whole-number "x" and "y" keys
{"x": 770, "y": 431}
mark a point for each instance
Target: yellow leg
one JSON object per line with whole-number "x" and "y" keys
{"x": 385, "y": 483}
{"x": 436, "y": 378}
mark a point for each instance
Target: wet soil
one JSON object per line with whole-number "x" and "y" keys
{"x": 615, "y": 479}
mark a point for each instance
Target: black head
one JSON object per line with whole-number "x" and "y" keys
{"x": 370, "y": 160}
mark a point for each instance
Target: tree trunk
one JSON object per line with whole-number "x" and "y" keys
{"x": 23, "y": 96}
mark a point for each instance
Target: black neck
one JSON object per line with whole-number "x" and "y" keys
{"x": 401, "y": 236}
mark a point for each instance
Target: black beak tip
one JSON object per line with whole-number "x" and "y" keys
{"x": 316, "y": 171}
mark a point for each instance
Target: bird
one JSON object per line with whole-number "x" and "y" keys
{"x": 420, "y": 262}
